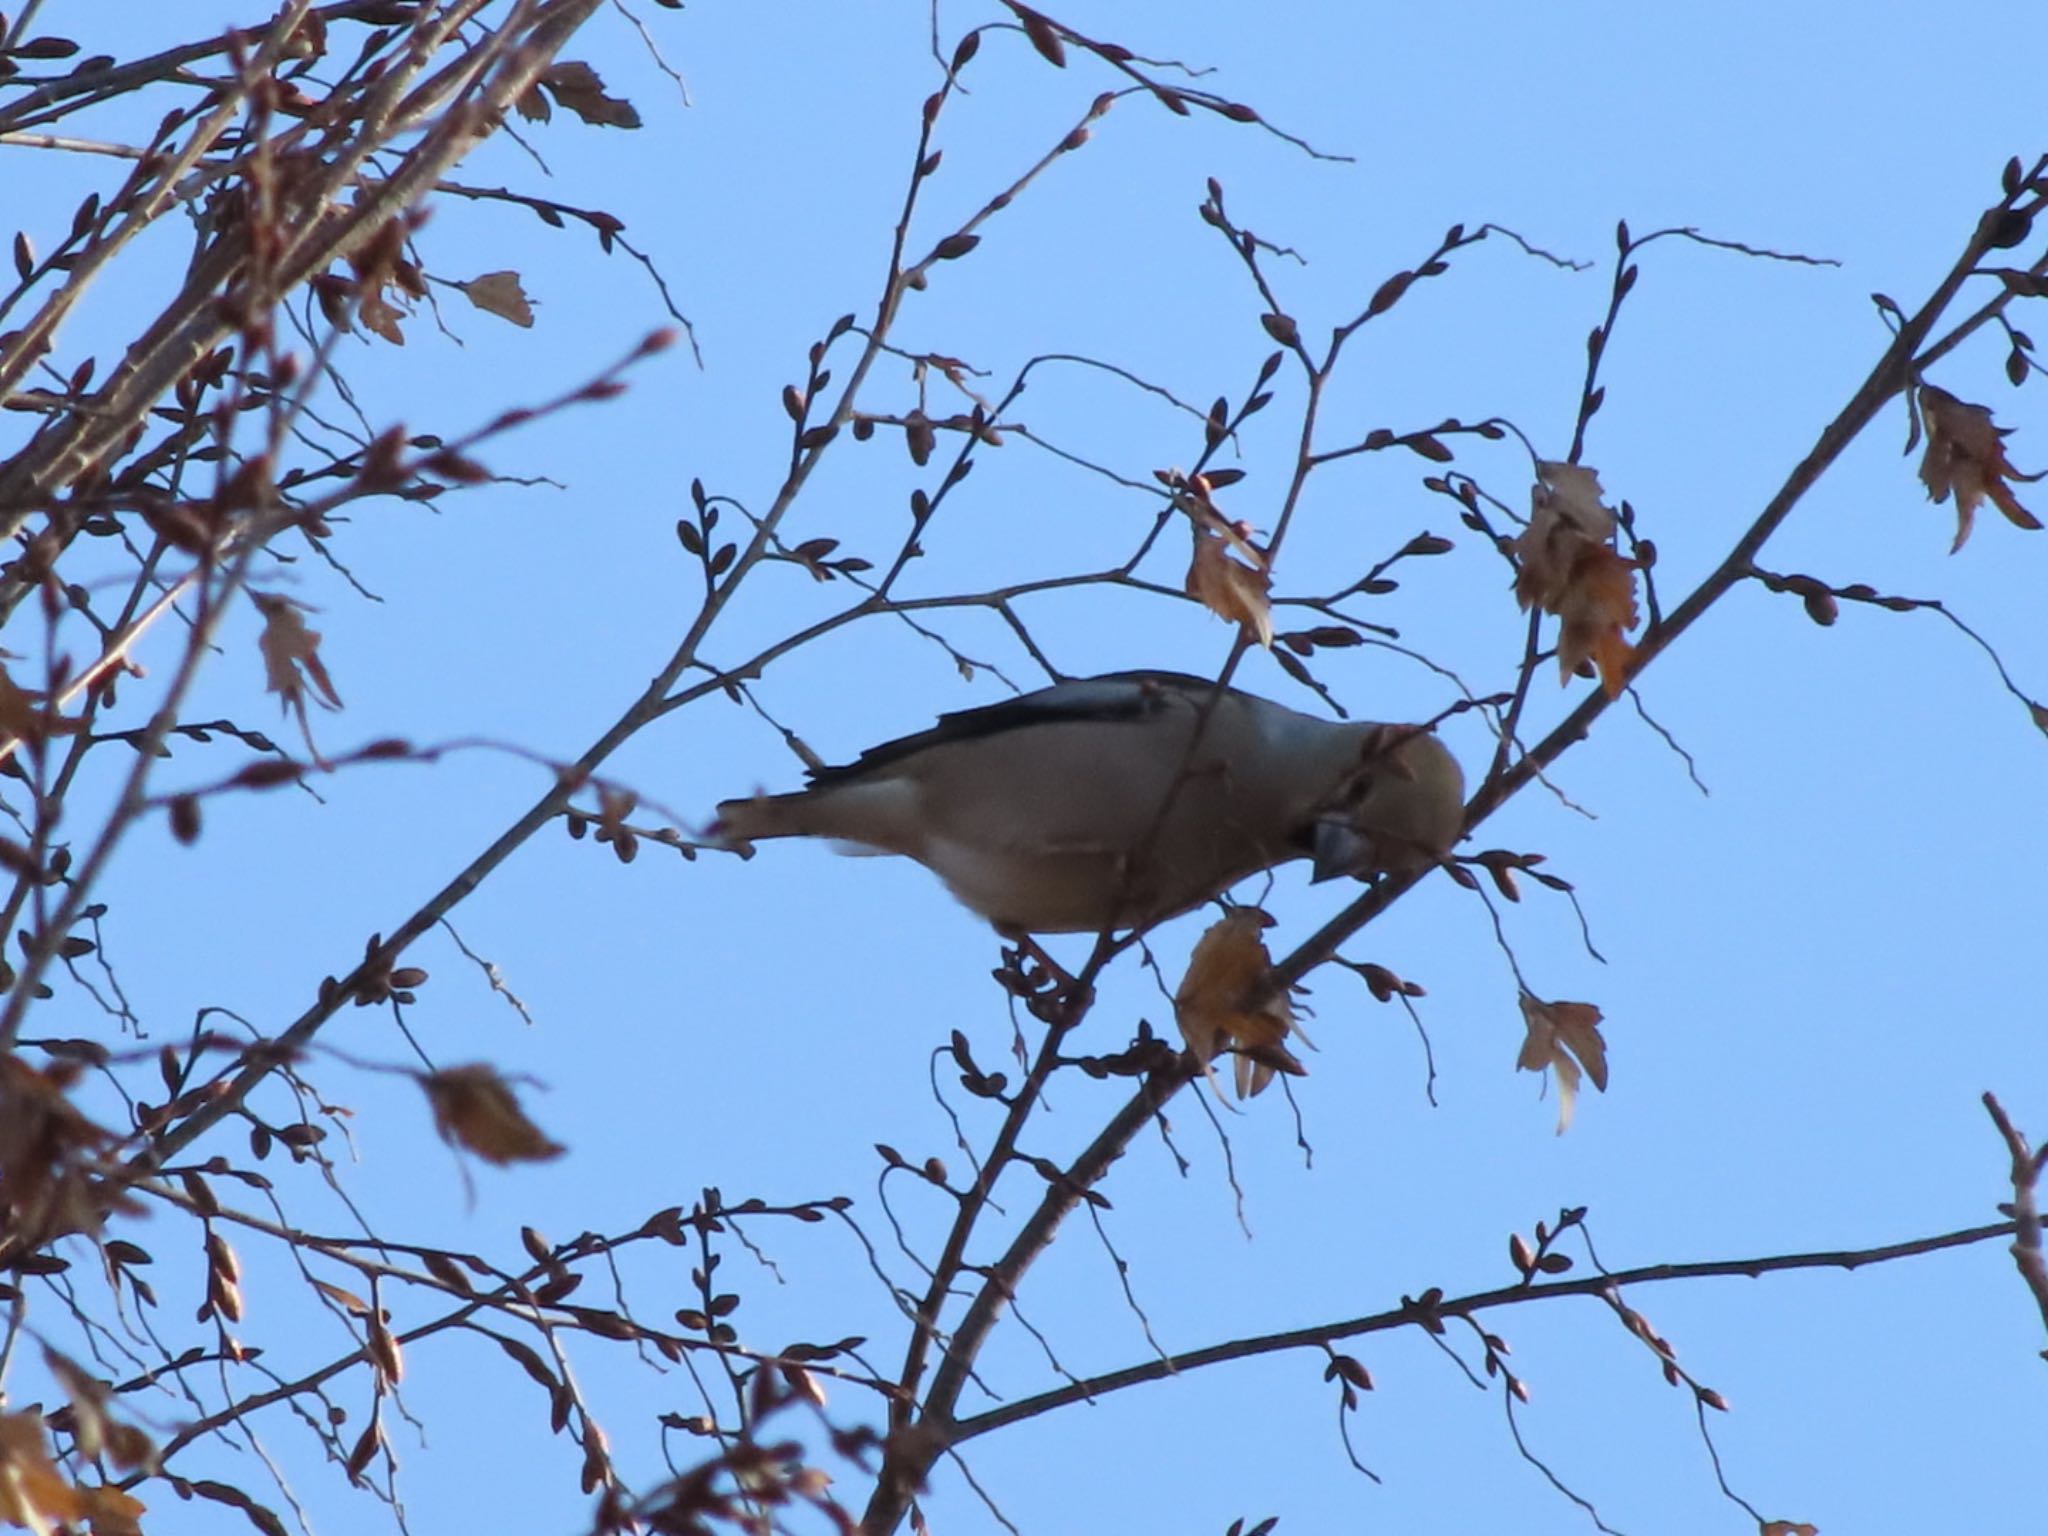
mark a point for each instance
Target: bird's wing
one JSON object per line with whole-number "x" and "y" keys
{"x": 1113, "y": 698}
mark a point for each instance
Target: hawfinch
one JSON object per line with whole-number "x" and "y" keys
{"x": 1095, "y": 804}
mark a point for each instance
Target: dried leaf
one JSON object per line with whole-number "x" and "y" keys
{"x": 348, "y": 1301}
{"x": 476, "y": 1109}
{"x": 92, "y": 1431}
{"x": 1230, "y": 589}
{"x": 112, "y": 1511}
{"x": 1966, "y": 455}
{"x": 380, "y": 316}
{"x": 1564, "y": 1037}
{"x": 577, "y": 86}
{"x": 1597, "y": 607}
{"x": 1787, "y": 1528}
{"x": 288, "y": 646}
{"x": 33, "y": 1493}
{"x": 25, "y": 715}
{"x": 291, "y": 659}
{"x": 1567, "y": 565}
{"x": 1571, "y": 494}
{"x": 500, "y": 294}
{"x": 1229, "y": 966}
{"x": 51, "y": 1157}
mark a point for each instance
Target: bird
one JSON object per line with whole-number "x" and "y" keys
{"x": 1119, "y": 801}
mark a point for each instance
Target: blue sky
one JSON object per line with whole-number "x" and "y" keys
{"x": 1810, "y": 975}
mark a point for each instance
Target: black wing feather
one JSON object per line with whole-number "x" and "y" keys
{"x": 1040, "y": 708}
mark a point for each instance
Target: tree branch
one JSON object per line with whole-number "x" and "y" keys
{"x": 1478, "y": 1301}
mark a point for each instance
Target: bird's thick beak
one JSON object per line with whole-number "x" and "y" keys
{"x": 1338, "y": 848}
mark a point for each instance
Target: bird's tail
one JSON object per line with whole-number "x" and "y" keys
{"x": 881, "y": 815}
{"x": 739, "y": 822}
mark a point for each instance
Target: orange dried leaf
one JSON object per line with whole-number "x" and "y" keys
{"x": 1228, "y": 588}
{"x": 1566, "y": 564}
{"x": 1229, "y": 967}
{"x": 476, "y": 1109}
{"x": 33, "y": 1493}
{"x": 1565, "y": 1038}
{"x": 500, "y": 294}
{"x": 112, "y": 1511}
{"x": 1966, "y": 455}
{"x": 1598, "y": 606}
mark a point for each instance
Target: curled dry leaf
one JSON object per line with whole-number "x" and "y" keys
{"x": 348, "y": 1301}
{"x": 51, "y": 1159}
{"x": 291, "y": 659}
{"x": 379, "y": 316}
{"x": 1229, "y": 967}
{"x": 476, "y": 1109}
{"x": 533, "y": 105}
{"x": 1966, "y": 455}
{"x": 500, "y": 294}
{"x": 87, "y": 1394}
{"x": 1231, "y": 589}
{"x": 579, "y": 88}
{"x": 1566, "y": 564}
{"x": 1787, "y": 1528}
{"x": 33, "y": 1492}
{"x": 27, "y": 715}
{"x": 1564, "y": 1037}
{"x": 111, "y": 1511}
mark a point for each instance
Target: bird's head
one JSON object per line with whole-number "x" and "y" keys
{"x": 1400, "y": 808}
